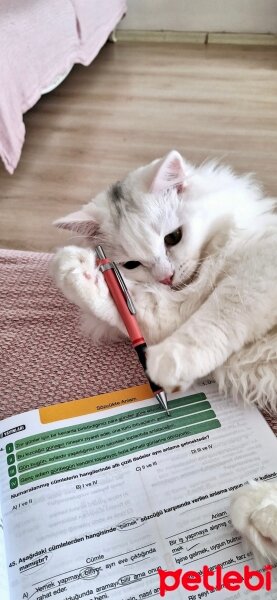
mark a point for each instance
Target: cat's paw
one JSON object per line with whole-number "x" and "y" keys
{"x": 77, "y": 275}
{"x": 75, "y": 272}
{"x": 166, "y": 367}
{"x": 254, "y": 515}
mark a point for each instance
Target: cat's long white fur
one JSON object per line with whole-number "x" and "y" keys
{"x": 219, "y": 316}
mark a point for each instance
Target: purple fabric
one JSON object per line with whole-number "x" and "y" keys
{"x": 39, "y": 43}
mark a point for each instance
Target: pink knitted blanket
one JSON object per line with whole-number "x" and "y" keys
{"x": 44, "y": 358}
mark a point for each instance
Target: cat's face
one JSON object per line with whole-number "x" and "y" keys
{"x": 156, "y": 223}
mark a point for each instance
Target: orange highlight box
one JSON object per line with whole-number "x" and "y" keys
{"x": 94, "y": 404}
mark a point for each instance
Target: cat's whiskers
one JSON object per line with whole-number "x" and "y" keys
{"x": 76, "y": 237}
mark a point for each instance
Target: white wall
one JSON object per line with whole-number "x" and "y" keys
{"x": 249, "y": 16}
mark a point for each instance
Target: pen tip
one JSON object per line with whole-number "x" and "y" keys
{"x": 162, "y": 399}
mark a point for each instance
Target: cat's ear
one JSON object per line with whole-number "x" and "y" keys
{"x": 171, "y": 173}
{"x": 80, "y": 222}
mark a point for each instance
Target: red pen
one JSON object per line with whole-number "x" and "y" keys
{"x": 127, "y": 311}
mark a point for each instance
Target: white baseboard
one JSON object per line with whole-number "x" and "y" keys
{"x": 140, "y": 35}
{"x": 248, "y": 39}
{"x": 196, "y": 37}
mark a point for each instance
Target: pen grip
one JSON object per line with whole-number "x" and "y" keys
{"x": 128, "y": 319}
{"x": 140, "y": 350}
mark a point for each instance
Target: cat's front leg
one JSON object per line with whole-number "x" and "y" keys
{"x": 254, "y": 515}
{"x": 77, "y": 275}
{"x": 220, "y": 327}
{"x": 192, "y": 351}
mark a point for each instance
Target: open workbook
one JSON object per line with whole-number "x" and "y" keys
{"x": 98, "y": 494}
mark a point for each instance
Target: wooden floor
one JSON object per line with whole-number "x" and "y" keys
{"x": 134, "y": 103}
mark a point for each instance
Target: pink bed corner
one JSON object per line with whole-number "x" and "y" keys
{"x": 39, "y": 44}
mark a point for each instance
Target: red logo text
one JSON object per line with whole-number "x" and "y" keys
{"x": 215, "y": 580}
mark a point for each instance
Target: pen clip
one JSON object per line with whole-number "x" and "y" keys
{"x": 124, "y": 289}
{"x": 111, "y": 265}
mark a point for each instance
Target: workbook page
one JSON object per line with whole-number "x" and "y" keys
{"x": 98, "y": 495}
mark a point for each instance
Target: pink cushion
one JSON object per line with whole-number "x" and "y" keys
{"x": 44, "y": 359}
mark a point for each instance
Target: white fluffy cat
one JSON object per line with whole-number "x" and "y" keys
{"x": 198, "y": 250}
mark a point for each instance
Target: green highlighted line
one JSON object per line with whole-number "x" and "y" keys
{"x": 156, "y": 422}
{"x": 118, "y": 442}
{"x": 54, "y": 452}
{"x": 64, "y": 467}
{"x": 153, "y": 409}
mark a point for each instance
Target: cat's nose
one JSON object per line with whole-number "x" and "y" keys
{"x": 167, "y": 280}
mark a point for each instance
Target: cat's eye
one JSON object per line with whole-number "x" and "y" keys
{"x": 131, "y": 264}
{"x": 173, "y": 238}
